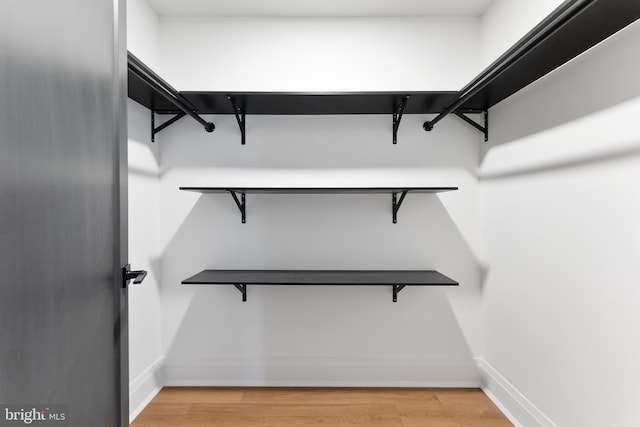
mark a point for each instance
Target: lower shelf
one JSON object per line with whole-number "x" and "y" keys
{"x": 397, "y": 279}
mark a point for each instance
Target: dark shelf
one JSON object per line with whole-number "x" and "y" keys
{"x": 318, "y": 190}
{"x": 294, "y": 103}
{"x": 397, "y": 279}
{"x": 141, "y": 91}
{"x": 397, "y": 193}
{"x": 596, "y": 21}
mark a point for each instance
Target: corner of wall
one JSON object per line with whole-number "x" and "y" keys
{"x": 513, "y": 404}
{"x": 145, "y": 387}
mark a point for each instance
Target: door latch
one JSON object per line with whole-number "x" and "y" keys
{"x": 128, "y": 275}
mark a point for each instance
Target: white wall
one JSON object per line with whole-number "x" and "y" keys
{"x": 319, "y": 54}
{"x": 507, "y": 21}
{"x": 320, "y": 335}
{"x": 143, "y": 33}
{"x": 145, "y": 361}
{"x": 561, "y": 202}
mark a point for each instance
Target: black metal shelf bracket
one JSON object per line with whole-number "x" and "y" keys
{"x": 395, "y": 204}
{"x": 242, "y": 204}
{"x": 396, "y": 291}
{"x": 484, "y": 129}
{"x": 397, "y": 116}
{"x": 428, "y": 125}
{"x": 166, "y": 124}
{"x": 240, "y": 117}
{"x": 242, "y": 287}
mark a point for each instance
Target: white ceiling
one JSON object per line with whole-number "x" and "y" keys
{"x": 320, "y": 8}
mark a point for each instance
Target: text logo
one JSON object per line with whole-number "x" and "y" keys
{"x": 13, "y": 415}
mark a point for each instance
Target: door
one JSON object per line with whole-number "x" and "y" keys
{"x": 63, "y": 236}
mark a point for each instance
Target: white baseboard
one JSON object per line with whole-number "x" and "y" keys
{"x": 145, "y": 387}
{"x": 516, "y": 407}
{"x": 322, "y": 372}
{"x": 316, "y": 383}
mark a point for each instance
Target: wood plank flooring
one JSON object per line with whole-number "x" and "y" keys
{"x": 326, "y": 407}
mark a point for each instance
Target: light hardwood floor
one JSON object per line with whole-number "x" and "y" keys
{"x": 326, "y": 407}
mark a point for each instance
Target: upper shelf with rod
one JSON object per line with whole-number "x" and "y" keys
{"x": 150, "y": 90}
{"x": 571, "y": 29}
{"x": 394, "y": 104}
{"x": 574, "y": 27}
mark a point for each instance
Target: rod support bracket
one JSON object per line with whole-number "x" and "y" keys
{"x": 395, "y": 203}
{"x": 241, "y": 203}
{"x": 484, "y": 129}
{"x": 398, "y": 110}
{"x": 396, "y": 291}
{"x": 242, "y": 287}
{"x": 166, "y": 124}
{"x": 240, "y": 118}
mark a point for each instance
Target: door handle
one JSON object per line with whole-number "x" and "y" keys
{"x": 128, "y": 275}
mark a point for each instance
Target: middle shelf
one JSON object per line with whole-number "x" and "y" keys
{"x": 397, "y": 193}
{"x": 397, "y": 279}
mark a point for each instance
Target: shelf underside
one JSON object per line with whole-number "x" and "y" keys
{"x": 318, "y": 190}
{"x": 321, "y": 277}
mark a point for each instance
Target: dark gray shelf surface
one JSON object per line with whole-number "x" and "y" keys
{"x": 599, "y": 20}
{"x": 318, "y": 190}
{"x": 296, "y": 103}
{"x": 321, "y": 277}
{"x": 293, "y": 103}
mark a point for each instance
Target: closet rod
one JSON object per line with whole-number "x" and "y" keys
{"x": 556, "y": 20}
{"x": 165, "y": 90}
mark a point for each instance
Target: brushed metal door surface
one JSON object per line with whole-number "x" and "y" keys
{"x": 62, "y": 309}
